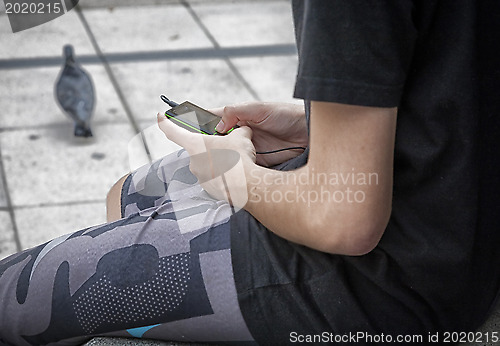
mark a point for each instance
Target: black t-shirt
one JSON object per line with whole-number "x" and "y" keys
{"x": 436, "y": 267}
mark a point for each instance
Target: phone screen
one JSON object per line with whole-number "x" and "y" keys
{"x": 193, "y": 118}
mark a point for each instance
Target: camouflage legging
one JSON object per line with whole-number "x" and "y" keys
{"x": 163, "y": 271}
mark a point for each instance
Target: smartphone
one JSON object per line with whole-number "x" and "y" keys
{"x": 194, "y": 118}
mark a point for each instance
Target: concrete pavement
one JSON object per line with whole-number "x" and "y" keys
{"x": 212, "y": 53}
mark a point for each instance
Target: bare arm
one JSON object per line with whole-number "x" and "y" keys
{"x": 340, "y": 201}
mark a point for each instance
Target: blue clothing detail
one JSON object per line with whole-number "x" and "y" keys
{"x": 139, "y": 332}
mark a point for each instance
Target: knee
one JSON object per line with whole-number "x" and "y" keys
{"x": 113, "y": 200}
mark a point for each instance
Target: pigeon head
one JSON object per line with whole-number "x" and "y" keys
{"x": 68, "y": 52}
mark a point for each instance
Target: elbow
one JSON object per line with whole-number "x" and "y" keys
{"x": 351, "y": 234}
{"x": 363, "y": 241}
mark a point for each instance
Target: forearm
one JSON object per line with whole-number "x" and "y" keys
{"x": 317, "y": 209}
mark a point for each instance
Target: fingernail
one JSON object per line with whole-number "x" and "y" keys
{"x": 220, "y": 126}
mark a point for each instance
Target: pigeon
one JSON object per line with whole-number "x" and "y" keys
{"x": 75, "y": 93}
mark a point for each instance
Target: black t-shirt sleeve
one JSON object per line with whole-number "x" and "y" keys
{"x": 353, "y": 51}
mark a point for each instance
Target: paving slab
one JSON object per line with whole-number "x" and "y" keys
{"x": 27, "y": 98}
{"x": 208, "y": 83}
{"x": 37, "y": 225}
{"x": 7, "y": 241}
{"x": 272, "y": 78}
{"x": 145, "y": 28}
{"x": 49, "y": 165}
{"x": 247, "y": 23}
{"x": 44, "y": 40}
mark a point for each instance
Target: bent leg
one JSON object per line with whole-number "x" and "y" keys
{"x": 171, "y": 285}
{"x": 161, "y": 272}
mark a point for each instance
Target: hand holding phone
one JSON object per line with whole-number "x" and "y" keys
{"x": 275, "y": 137}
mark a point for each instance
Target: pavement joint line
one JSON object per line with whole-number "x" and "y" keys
{"x": 113, "y": 80}
{"x": 9, "y": 208}
{"x": 57, "y": 204}
{"x": 217, "y": 46}
{"x": 55, "y": 125}
{"x": 165, "y": 55}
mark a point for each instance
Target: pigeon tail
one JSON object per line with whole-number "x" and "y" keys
{"x": 81, "y": 130}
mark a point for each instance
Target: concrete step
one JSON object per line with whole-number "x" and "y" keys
{"x": 136, "y": 342}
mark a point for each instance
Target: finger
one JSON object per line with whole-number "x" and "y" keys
{"x": 217, "y": 111}
{"x": 233, "y": 115}
{"x": 229, "y": 119}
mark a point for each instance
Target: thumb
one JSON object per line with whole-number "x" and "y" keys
{"x": 244, "y": 131}
{"x": 175, "y": 133}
